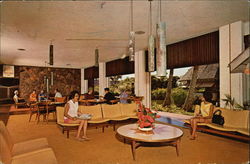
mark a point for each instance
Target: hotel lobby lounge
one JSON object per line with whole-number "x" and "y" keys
{"x": 62, "y": 46}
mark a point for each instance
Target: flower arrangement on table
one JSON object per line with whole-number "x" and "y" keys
{"x": 146, "y": 118}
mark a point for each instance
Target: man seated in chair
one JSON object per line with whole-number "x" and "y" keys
{"x": 108, "y": 96}
{"x": 57, "y": 93}
{"x": 89, "y": 95}
{"x": 42, "y": 96}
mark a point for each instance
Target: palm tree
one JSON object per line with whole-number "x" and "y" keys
{"x": 190, "y": 97}
{"x": 167, "y": 100}
{"x": 231, "y": 103}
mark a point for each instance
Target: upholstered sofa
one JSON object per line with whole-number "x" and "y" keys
{"x": 236, "y": 124}
{"x": 27, "y": 152}
{"x": 101, "y": 115}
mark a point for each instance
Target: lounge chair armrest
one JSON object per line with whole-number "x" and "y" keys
{"x": 30, "y": 145}
{"x": 41, "y": 156}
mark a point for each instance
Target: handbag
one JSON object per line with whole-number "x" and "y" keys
{"x": 218, "y": 118}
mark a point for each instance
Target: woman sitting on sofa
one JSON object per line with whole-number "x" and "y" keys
{"x": 71, "y": 115}
{"x": 203, "y": 115}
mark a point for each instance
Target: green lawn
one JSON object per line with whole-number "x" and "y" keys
{"x": 157, "y": 105}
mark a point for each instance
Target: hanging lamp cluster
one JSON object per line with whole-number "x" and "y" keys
{"x": 131, "y": 45}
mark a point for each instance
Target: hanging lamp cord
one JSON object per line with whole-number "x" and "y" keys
{"x": 159, "y": 9}
{"x": 150, "y": 18}
{"x": 131, "y": 15}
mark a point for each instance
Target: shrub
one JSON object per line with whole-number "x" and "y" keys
{"x": 179, "y": 95}
{"x": 158, "y": 94}
{"x": 171, "y": 109}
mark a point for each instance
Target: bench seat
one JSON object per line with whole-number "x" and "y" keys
{"x": 235, "y": 121}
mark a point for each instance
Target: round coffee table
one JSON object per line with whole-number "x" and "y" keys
{"x": 161, "y": 133}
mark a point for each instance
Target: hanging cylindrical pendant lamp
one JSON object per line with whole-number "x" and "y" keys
{"x": 51, "y": 78}
{"x": 151, "y": 43}
{"x": 51, "y": 54}
{"x": 131, "y": 46}
{"x": 161, "y": 57}
{"x": 96, "y": 57}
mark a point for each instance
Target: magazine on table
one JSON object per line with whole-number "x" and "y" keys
{"x": 85, "y": 116}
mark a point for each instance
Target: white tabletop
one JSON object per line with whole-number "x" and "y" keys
{"x": 161, "y": 133}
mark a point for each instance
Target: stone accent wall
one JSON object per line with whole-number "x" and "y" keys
{"x": 64, "y": 79}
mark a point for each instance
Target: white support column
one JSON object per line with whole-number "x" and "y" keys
{"x": 142, "y": 79}
{"x": 102, "y": 78}
{"x": 237, "y": 43}
{"x": 224, "y": 60}
{"x": 231, "y": 45}
{"x": 84, "y": 83}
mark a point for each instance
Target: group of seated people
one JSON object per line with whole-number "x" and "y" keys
{"x": 108, "y": 97}
{"x": 42, "y": 96}
{"x": 33, "y": 97}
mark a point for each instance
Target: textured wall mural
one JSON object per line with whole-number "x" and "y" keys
{"x": 64, "y": 79}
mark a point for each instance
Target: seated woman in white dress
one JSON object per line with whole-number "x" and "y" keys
{"x": 203, "y": 114}
{"x": 71, "y": 115}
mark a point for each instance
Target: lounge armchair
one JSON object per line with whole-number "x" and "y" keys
{"x": 31, "y": 151}
{"x": 22, "y": 147}
{"x": 60, "y": 121}
{"x": 38, "y": 156}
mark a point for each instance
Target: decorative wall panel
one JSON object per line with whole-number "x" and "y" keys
{"x": 196, "y": 51}
{"x": 66, "y": 80}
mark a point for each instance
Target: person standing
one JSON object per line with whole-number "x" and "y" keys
{"x": 71, "y": 114}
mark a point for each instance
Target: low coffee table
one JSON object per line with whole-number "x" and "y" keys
{"x": 161, "y": 133}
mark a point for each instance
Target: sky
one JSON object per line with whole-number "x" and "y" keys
{"x": 177, "y": 72}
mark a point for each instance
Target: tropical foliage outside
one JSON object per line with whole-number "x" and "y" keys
{"x": 159, "y": 85}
